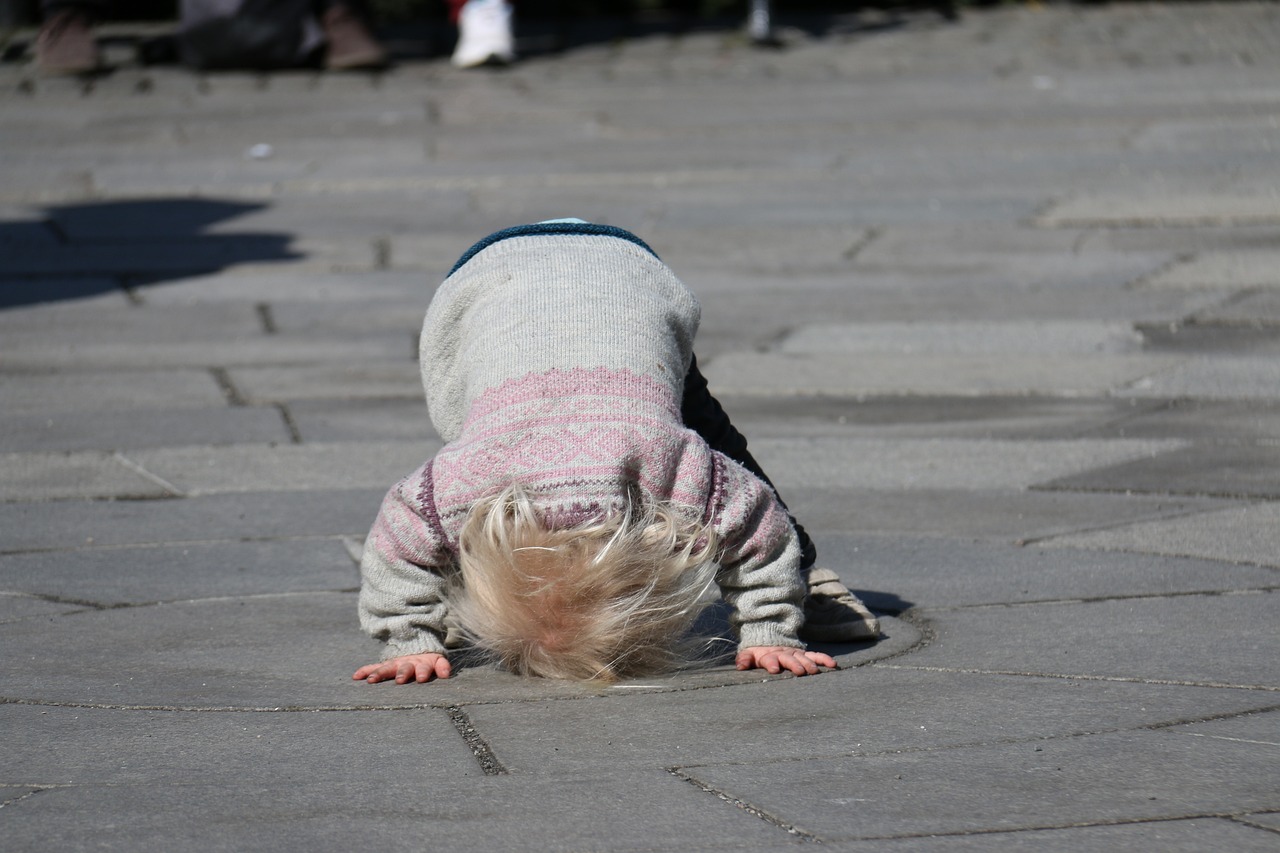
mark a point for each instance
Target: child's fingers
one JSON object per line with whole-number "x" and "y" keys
{"x": 798, "y": 663}
{"x": 823, "y": 659}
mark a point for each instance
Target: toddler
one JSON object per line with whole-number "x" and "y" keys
{"x": 591, "y": 491}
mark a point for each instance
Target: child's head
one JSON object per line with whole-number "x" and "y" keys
{"x": 600, "y": 601}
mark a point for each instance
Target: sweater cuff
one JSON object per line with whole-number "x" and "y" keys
{"x": 753, "y": 634}
{"x": 419, "y": 645}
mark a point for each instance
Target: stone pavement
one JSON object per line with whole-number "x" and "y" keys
{"x": 997, "y": 302}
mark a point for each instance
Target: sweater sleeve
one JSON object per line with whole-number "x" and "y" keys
{"x": 760, "y": 559}
{"x": 404, "y": 572}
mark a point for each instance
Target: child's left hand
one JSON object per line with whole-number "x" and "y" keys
{"x": 774, "y": 659}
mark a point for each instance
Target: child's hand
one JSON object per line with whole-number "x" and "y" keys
{"x": 420, "y": 668}
{"x": 775, "y": 659}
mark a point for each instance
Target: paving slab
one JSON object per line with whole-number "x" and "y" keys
{"x": 892, "y": 572}
{"x": 79, "y": 474}
{"x": 231, "y": 750}
{"x": 67, "y": 525}
{"x": 1245, "y": 534}
{"x": 98, "y": 391}
{"x": 365, "y": 379}
{"x": 1183, "y": 836}
{"x": 1057, "y": 338}
{"x": 283, "y": 468}
{"x": 865, "y": 711}
{"x": 140, "y": 428}
{"x": 1223, "y": 270}
{"x": 337, "y": 811}
{"x": 1267, "y": 820}
{"x": 1109, "y": 778}
{"x": 355, "y": 420}
{"x": 1255, "y": 311}
{"x": 1219, "y": 470}
{"x": 225, "y": 352}
{"x": 977, "y": 465}
{"x": 1224, "y": 378}
{"x": 842, "y": 374}
{"x": 1222, "y": 639}
{"x": 114, "y": 577}
{"x": 1007, "y": 515}
{"x": 291, "y": 287}
{"x": 1197, "y": 420}
{"x": 1147, "y": 209}
{"x": 1027, "y": 418}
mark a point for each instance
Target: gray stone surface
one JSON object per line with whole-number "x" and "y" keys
{"x": 1231, "y": 470}
{"x": 260, "y": 468}
{"x": 1213, "y": 639}
{"x": 67, "y": 525}
{"x": 993, "y": 299}
{"x": 1233, "y": 271}
{"x": 1245, "y": 534}
{"x": 939, "y": 463}
{"x": 1115, "y": 778}
{"x": 112, "y": 577}
{"x": 891, "y": 572}
{"x": 1009, "y": 515}
{"x": 140, "y": 428}
{"x": 1184, "y": 836}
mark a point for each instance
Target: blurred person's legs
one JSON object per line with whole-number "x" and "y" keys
{"x": 486, "y": 34}
{"x": 65, "y": 43}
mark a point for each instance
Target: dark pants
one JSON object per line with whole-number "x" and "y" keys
{"x": 101, "y": 9}
{"x": 703, "y": 414}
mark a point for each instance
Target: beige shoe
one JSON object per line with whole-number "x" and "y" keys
{"x": 833, "y": 614}
{"x": 65, "y": 44}
{"x": 351, "y": 46}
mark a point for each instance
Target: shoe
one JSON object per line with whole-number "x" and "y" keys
{"x": 65, "y": 44}
{"x": 833, "y": 614}
{"x": 485, "y": 34}
{"x": 351, "y": 45}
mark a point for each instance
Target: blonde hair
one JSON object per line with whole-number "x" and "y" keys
{"x": 599, "y": 601}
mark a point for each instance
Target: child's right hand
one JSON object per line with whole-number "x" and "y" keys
{"x": 420, "y": 668}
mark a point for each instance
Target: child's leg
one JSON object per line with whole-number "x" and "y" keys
{"x": 703, "y": 414}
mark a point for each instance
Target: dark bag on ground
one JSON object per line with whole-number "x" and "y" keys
{"x": 250, "y": 34}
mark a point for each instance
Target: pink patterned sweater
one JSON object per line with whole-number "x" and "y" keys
{"x": 555, "y": 355}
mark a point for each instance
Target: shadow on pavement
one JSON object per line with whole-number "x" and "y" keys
{"x": 77, "y": 251}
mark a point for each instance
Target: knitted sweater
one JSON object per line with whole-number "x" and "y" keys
{"x": 554, "y": 355}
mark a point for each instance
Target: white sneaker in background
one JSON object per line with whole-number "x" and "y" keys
{"x": 485, "y": 34}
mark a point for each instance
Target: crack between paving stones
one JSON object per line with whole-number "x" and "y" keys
{"x": 1069, "y": 676}
{"x": 174, "y": 543}
{"x": 1056, "y": 826}
{"x": 479, "y": 747}
{"x": 172, "y": 490}
{"x": 749, "y": 808}
{"x": 266, "y": 318}
{"x": 39, "y": 789}
{"x": 860, "y": 245}
{"x": 1049, "y": 488}
{"x": 1137, "y": 596}
{"x": 1009, "y": 741}
{"x": 229, "y": 390}
{"x": 295, "y": 434}
{"x": 1244, "y": 819}
{"x": 134, "y": 605}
